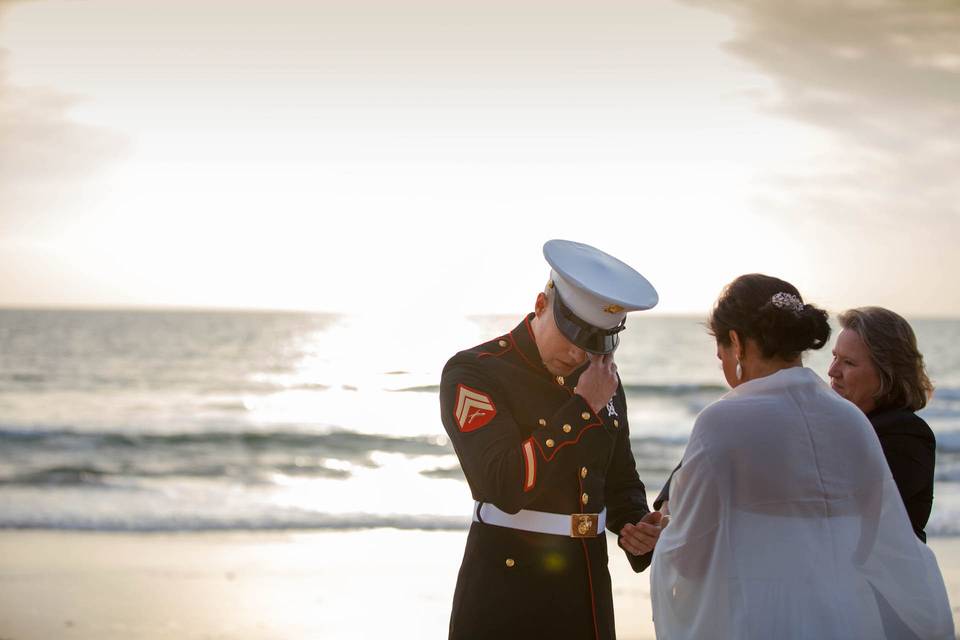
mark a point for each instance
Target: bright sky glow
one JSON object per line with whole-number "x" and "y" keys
{"x": 415, "y": 156}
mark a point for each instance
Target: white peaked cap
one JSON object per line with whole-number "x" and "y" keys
{"x": 596, "y": 286}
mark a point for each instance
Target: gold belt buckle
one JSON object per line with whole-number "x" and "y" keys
{"x": 584, "y": 525}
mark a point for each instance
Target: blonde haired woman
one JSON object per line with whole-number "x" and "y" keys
{"x": 878, "y": 367}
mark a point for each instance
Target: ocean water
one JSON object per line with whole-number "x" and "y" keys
{"x": 148, "y": 420}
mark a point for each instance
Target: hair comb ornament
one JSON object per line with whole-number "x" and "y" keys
{"x": 784, "y": 300}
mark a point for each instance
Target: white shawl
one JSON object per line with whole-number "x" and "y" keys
{"x": 786, "y": 523}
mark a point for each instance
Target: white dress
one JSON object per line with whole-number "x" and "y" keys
{"x": 786, "y": 523}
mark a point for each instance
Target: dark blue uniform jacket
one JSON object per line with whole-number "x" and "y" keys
{"x": 526, "y": 441}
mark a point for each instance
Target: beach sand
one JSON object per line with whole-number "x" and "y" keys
{"x": 333, "y": 585}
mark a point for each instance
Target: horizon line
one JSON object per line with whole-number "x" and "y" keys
{"x": 161, "y": 308}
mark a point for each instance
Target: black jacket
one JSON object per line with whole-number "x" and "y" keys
{"x": 910, "y": 448}
{"x": 526, "y": 441}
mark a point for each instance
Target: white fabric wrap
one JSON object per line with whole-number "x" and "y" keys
{"x": 786, "y": 523}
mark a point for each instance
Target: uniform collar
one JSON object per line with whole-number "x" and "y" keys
{"x": 526, "y": 346}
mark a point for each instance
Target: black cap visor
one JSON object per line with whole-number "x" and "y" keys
{"x": 586, "y": 336}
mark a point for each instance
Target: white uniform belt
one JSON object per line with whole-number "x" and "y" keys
{"x": 575, "y": 525}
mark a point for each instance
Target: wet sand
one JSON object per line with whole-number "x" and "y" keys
{"x": 265, "y": 585}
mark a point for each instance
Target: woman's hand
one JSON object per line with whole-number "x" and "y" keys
{"x": 665, "y": 510}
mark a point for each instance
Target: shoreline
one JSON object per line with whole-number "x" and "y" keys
{"x": 243, "y": 585}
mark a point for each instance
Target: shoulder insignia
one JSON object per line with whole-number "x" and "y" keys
{"x": 474, "y": 408}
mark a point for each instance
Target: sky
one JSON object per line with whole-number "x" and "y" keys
{"x": 413, "y": 156}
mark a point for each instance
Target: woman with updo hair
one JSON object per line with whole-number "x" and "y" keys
{"x": 761, "y": 325}
{"x": 784, "y": 518}
{"x": 878, "y": 367}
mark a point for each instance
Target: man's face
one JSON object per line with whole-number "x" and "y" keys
{"x": 560, "y": 356}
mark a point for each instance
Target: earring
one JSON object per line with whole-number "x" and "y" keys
{"x": 739, "y": 370}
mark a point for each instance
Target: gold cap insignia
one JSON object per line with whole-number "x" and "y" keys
{"x": 613, "y": 308}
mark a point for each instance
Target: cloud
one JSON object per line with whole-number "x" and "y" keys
{"x": 857, "y": 64}
{"x": 45, "y": 158}
{"x": 883, "y": 75}
{"x": 882, "y": 79}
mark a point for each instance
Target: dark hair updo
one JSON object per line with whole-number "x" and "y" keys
{"x": 782, "y": 326}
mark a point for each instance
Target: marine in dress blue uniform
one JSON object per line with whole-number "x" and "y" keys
{"x": 547, "y": 470}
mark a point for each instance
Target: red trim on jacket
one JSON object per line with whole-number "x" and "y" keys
{"x": 563, "y": 444}
{"x": 593, "y": 604}
{"x": 496, "y": 353}
{"x": 539, "y": 368}
{"x": 526, "y": 322}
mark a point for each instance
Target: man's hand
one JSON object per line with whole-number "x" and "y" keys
{"x": 640, "y": 538}
{"x": 599, "y": 382}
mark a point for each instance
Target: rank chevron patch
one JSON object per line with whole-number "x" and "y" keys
{"x": 474, "y": 408}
